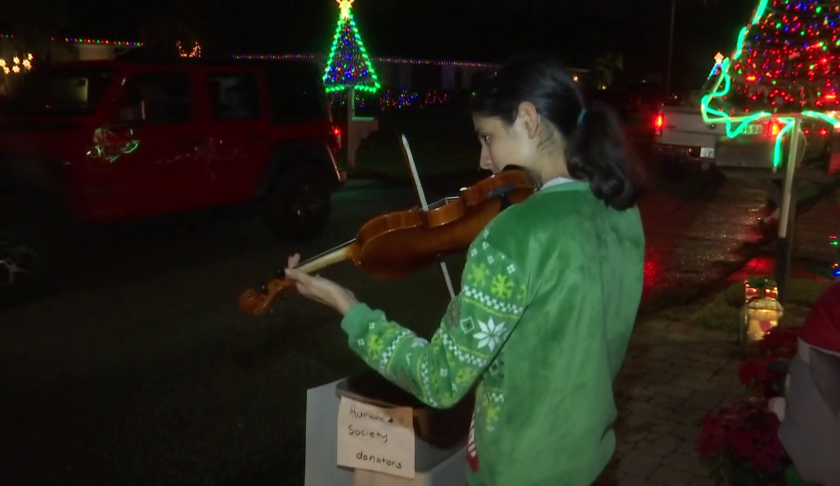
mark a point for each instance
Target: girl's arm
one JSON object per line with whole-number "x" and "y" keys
{"x": 476, "y": 325}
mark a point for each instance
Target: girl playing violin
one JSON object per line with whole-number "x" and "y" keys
{"x": 549, "y": 292}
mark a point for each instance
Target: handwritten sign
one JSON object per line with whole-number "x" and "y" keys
{"x": 375, "y": 438}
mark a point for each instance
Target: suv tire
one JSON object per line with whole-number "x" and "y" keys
{"x": 299, "y": 203}
{"x": 29, "y": 233}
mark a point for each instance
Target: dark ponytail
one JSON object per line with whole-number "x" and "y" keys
{"x": 596, "y": 150}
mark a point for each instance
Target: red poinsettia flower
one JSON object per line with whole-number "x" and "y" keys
{"x": 744, "y": 433}
{"x": 767, "y": 450}
{"x": 781, "y": 342}
{"x": 746, "y": 373}
{"x": 778, "y": 345}
{"x": 712, "y": 436}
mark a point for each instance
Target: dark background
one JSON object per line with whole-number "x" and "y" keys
{"x": 474, "y": 30}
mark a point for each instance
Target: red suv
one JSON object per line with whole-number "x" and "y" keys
{"x": 110, "y": 141}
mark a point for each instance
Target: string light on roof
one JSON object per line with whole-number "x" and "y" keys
{"x": 279, "y": 57}
{"x": 79, "y": 40}
{"x": 397, "y": 60}
{"x": 390, "y": 60}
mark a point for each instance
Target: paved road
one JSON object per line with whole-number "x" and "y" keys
{"x": 144, "y": 372}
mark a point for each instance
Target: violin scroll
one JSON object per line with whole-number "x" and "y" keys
{"x": 258, "y": 301}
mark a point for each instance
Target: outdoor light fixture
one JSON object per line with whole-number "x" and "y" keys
{"x": 761, "y": 311}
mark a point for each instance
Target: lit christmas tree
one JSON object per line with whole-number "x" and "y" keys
{"x": 785, "y": 62}
{"x": 348, "y": 64}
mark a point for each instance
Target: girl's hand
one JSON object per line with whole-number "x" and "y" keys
{"x": 320, "y": 289}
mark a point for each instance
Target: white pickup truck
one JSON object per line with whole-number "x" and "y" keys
{"x": 684, "y": 140}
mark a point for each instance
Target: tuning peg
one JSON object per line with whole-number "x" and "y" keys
{"x": 280, "y": 273}
{"x": 264, "y": 288}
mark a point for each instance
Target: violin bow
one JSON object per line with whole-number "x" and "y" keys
{"x": 418, "y": 189}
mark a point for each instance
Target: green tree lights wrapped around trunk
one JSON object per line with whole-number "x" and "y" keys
{"x": 348, "y": 64}
{"x": 786, "y": 62}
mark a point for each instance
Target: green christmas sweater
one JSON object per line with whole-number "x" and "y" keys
{"x": 548, "y": 299}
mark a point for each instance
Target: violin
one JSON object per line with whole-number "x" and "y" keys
{"x": 396, "y": 244}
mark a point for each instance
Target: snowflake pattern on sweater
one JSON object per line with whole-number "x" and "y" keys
{"x": 464, "y": 350}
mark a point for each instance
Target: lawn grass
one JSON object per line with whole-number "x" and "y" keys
{"x": 723, "y": 312}
{"x": 437, "y": 153}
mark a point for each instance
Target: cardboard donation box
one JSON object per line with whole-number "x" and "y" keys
{"x": 382, "y": 436}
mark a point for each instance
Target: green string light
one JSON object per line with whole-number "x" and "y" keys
{"x": 735, "y": 125}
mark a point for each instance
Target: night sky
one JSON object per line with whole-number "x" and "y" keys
{"x": 480, "y": 30}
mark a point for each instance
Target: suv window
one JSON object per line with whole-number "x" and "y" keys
{"x": 157, "y": 98}
{"x": 58, "y": 92}
{"x": 296, "y": 97}
{"x": 235, "y": 96}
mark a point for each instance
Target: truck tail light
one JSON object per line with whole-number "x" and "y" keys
{"x": 773, "y": 129}
{"x": 658, "y": 123}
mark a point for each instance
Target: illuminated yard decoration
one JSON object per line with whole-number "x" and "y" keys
{"x": 17, "y": 66}
{"x": 195, "y": 51}
{"x": 786, "y": 63}
{"x": 348, "y": 64}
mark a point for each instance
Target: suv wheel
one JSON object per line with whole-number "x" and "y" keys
{"x": 26, "y": 250}
{"x": 298, "y": 205}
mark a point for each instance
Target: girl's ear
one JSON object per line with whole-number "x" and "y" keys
{"x": 528, "y": 116}
{"x": 825, "y": 372}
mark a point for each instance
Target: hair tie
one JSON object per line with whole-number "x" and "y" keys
{"x": 581, "y": 116}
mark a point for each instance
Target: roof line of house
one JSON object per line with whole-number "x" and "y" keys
{"x": 86, "y": 40}
{"x": 384, "y": 59}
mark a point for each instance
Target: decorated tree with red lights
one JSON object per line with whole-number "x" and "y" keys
{"x": 785, "y": 61}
